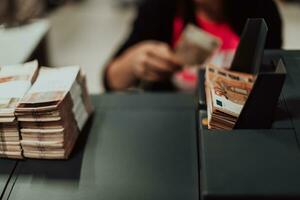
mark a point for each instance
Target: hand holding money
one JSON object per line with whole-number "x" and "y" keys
{"x": 154, "y": 61}
{"x": 147, "y": 61}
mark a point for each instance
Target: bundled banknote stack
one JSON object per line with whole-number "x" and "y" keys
{"x": 15, "y": 81}
{"x": 226, "y": 95}
{"x": 53, "y": 112}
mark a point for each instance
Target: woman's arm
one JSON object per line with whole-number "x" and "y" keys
{"x": 151, "y": 61}
{"x": 153, "y": 22}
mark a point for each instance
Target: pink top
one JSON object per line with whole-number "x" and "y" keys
{"x": 222, "y": 30}
{"x": 230, "y": 41}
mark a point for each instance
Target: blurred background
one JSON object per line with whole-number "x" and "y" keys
{"x": 87, "y": 32}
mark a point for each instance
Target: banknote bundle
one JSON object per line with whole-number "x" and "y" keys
{"x": 15, "y": 81}
{"x": 226, "y": 94}
{"x": 195, "y": 46}
{"x": 53, "y": 112}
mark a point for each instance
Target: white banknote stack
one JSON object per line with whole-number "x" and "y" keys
{"x": 226, "y": 95}
{"x": 15, "y": 81}
{"x": 53, "y": 112}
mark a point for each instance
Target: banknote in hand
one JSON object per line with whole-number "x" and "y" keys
{"x": 195, "y": 46}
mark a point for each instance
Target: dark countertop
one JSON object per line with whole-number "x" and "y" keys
{"x": 257, "y": 164}
{"x": 6, "y": 169}
{"x": 136, "y": 147}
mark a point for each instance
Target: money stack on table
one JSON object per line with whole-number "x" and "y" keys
{"x": 15, "y": 81}
{"x": 226, "y": 94}
{"x": 53, "y": 113}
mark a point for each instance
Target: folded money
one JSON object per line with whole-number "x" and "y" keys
{"x": 226, "y": 95}
{"x": 15, "y": 81}
{"x": 195, "y": 46}
{"x": 53, "y": 112}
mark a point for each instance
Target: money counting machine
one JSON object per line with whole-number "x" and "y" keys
{"x": 260, "y": 157}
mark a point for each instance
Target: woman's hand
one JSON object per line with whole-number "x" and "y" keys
{"x": 152, "y": 61}
{"x": 149, "y": 61}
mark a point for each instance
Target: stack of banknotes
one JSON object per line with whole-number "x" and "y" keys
{"x": 53, "y": 112}
{"x": 42, "y": 110}
{"x": 15, "y": 81}
{"x": 226, "y": 95}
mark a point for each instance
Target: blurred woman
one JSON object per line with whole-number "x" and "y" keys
{"x": 147, "y": 54}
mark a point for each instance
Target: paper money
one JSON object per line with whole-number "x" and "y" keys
{"x": 226, "y": 94}
{"x": 15, "y": 81}
{"x": 42, "y": 112}
{"x": 53, "y": 113}
{"x": 195, "y": 46}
